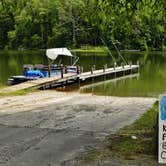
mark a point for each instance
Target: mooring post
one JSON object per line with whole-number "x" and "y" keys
{"x": 78, "y": 72}
{"x": 94, "y": 67}
{"x": 78, "y": 69}
{"x": 138, "y": 65}
{"x": 61, "y": 70}
{"x": 130, "y": 64}
{"x": 104, "y": 69}
{"x": 65, "y": 69}
{"x": 91, "y": 70}
{"x": 114, "y": 65}
{"x": 49, "y": 71}
{"x": 82, "y": 69}
{"x": 122, "y": 64}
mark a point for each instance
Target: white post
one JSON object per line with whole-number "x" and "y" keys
{"x": 162, "y": 130}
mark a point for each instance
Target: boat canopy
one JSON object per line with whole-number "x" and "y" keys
{"x": 53, "y": 53}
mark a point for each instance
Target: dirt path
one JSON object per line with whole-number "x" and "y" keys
{"x": 51, "y": 128}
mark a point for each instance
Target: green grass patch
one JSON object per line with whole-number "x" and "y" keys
{"x": 144, "y": 130}
{"x": 90, "y": 49}
{"x": 133, "y": 142}
{"x": 17, "y": 93}
{"x": 2, "y": 86}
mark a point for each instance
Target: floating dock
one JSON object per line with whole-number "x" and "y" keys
{"x": 45, "y": 83}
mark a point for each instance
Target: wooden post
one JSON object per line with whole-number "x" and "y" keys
{"x": 94, "y": 67}
{"x": 65, "y": 69}
{"x": 130, "y": 63}
{"x": 91, "y": 70}
{"x": 82, "y": 69}
{"x": 78, "y": 72}
{"x": 78, "y": 69}
{"x": 138, "y": 65}
{"x": 61, "y": 71}
{"x": 122, "y": 64}
{"x": 105, "y": 66}
{"x": 104, "y": 69}
{"x": 49, "y": 71}
{"x": 114, "y": 65}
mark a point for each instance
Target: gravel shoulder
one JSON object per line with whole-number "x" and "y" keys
{"x": 52, "y": 128}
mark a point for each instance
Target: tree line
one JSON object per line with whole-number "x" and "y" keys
{"x": 135, "y": 24}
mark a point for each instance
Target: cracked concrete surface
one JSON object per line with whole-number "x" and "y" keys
{"x": 52, "y": 128}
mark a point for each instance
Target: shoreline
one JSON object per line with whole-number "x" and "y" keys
{"x": 33, "y": 99}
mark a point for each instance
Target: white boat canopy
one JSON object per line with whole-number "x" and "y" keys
{"x": 53, "y": 53}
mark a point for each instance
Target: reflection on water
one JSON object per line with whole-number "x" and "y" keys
{"x": 102, "y": 86}
{"x": 151, "y": 82}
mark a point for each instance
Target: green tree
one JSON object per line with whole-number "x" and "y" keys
{"x": 139, "y": 24}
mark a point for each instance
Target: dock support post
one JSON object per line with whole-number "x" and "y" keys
{"x": 61, "y": 71}
{"x": 122, "y": 64}
{"x": 138, "y": 65}
{"x": 49, "y": 71}
{"x": 78, "y": 72}
{"x": 91, "y": 70}
{"x": 94, "y": 67}
{"x": 82, "y": 69}
{"x": 104, "y": 69}
{"x": 78, "y": 69}
{"x": 114, "y": 65}
{"x": 130, "y": 64}
{"x": 65, "y": 69}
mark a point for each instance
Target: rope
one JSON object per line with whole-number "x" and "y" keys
{"x": 108, "y": 50}
{"x": 119, "y": 52}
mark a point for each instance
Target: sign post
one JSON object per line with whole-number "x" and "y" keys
{"x": 162, "y": 130}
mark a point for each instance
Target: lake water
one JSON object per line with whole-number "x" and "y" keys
{"x": 150, "y": 82}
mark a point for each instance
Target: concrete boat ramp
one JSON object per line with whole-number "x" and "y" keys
{"x": 52, "y": 128}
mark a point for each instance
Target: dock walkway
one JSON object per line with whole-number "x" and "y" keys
{"x": 49, "y": 81}
{"x": 107, "y": 71}
{"x": 36, "y": 84}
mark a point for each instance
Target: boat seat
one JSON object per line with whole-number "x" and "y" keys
{"x": 28, "y": 66}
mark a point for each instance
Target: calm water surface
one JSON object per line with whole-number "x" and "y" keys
{"x": 151, "y": 81}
